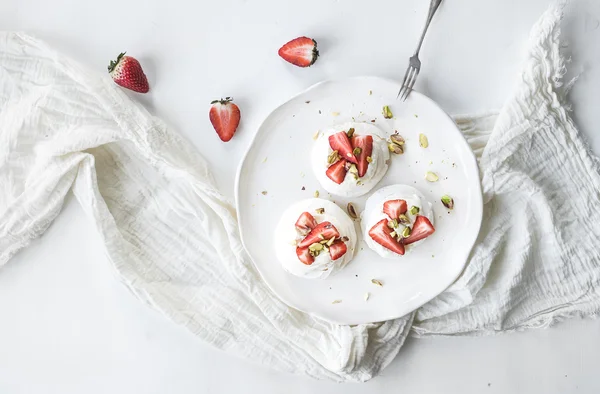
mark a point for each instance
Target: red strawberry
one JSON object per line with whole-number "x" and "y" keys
{"x": 301, "y": 51}
{"x": 341, "y": 143}
{"x": 380, "y": 233}
{"x": 306, "y": 222}
{"x": 420, "y": 230}
{"x": 337, "y": 171}
{"x": 365, "y": 143}
{"x": 324, "y": 230}
{"x": 225, "y": 118}
{"x": 337, "y": 250}
{"x": 127, "y": 72}
{"x": 394, "y": 208}
{"x": 304, "y": 256}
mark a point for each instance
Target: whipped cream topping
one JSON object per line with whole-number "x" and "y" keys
{"x": 376, "y": 170}
{"x": 373, "y": 213}
{"x": 286, "y": 236}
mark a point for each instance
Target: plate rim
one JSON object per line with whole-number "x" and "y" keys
{"x": 479, "y": 201}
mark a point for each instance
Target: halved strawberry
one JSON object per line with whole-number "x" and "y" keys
{"x": 337, "y": 250}
{"x": 304, "y": 256}
{"x": 395, "y": 208}
{"x": 380, "y": 233}
{"x": 420, "y": 230}
{"x": 301, "y": 51}
{"x": 225, "y": 117}
{"x": 306, "y": 222}
{"x": 337, "y": 171}
{"x": 365, "y": 143}
{"x": 324, "y": 230}
{"x": 341, "y": 143}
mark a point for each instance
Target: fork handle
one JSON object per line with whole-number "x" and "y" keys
{"x": 433, "y": 6}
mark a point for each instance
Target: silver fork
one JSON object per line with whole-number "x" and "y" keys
{"x": 414, "y": 64}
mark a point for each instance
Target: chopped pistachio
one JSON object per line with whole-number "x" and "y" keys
{"x": 333, "y": 157}
{"x": 406, "y": 232}
{"x": 397, "y": 139}
{"x": 369, "y": 159}
{"x": 352, "y": 211}
{"x": 448, "y": 201}
{"x": 403, "y": 219}
{"x": 396, "y": 149}
{"x": 393, "y": 234}
{"x": 335, "y": 114}
{"x": 353, "y": 169}
{"x": 331, "y": 241}
{"x": 377, "y": 282}
{"x": 321, "y": 236}
{"x": 316, "y": 247}
{"x": 357, "y": 151}
{"x": 264, "y": 192}
{"x": 370, "y": 92}
{"x": 350, "y": 132}
{"x": 316, "y": 135}
{"x": 392, "y": 223}
{"x": 387, "y": 113}
{"x": 316, "y": 194}
{"x": 336, "y": 301}
{"x": 414, "y": 210}
{"x": 323, "y": 241}
{"x": 423, "y": 141}
{"x": 294, "y": 242}
{"x": 367, "y": 295}
{"x": 265, "y": 160}
{"x": 320, "y": 211}
{"x": 431, "y": 176}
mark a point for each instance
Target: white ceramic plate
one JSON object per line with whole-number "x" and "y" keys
{"x": 278, "y": 163}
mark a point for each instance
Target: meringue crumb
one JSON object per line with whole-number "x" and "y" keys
{"x": 367, "y": 295}
{"x": 335, "y": 114}
{"x": 336, "y": 301}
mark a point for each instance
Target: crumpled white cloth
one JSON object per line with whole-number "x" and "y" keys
{"x": 173, "y": 240}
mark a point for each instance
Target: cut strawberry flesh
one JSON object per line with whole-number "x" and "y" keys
{"x": 365, "y": 143}
{"x": 337, "y": 171}
{"x": 301, "y": 51}
{"x": 380, "y": 233}
{"x": 420, "y": 230}
{"x": 304, "y": 256}
{"x": 324, "y": 230}
{"x": 306, "y": 222}
{"x": 395, "y": 208}
{"x": 341, "y": 143}
{"x": 337, "y": 250}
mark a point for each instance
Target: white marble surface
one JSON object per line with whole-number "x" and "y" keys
{"x": 66, "y": 324}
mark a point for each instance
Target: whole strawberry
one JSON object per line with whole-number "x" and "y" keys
{"x": 225, "y": 118}
{"x": 126, "y": 71}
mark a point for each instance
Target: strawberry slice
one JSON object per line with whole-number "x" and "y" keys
{"x": 365, "y": 143}
{"x": 324, "y": 230}
{"x": 341, "y": 143}
{"x": 420, "y": 230}
{"x": 301, "y": 51}
{"x": 395, "y": 208}
{"x": 380, "y": 233}
{"x": 337, "y": 171}
{"x": 225, "y": 118}
{"x": 306, "y": 222}
{"x": 337, "y": 250}
{"x": 304, "y": 256}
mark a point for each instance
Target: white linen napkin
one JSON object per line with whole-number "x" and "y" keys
{"x": 173, "y": 238}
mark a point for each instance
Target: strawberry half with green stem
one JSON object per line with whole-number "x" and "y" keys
{"x": 324, "y": 230}
{"x": 301, "y": 51}
{"x": 306, "y": 222}
{"x": 381, "y": 234}
{"x": 337, "y": 171}
{"x": 362, "y": 147}
{"x": 420, "y": 230}
{"x": 337, "y": 250}
{"x": 225, "y": 117}
{"x": 395, "y": 208}
{"x": 304, "y": 256}
{"x": 127, "y": 72}
{"x": 341, "y": 143}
